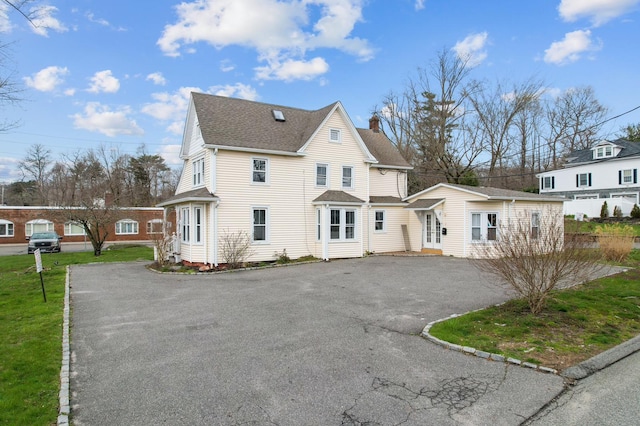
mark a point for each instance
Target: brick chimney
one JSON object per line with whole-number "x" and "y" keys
{"x": 374, "y": 123}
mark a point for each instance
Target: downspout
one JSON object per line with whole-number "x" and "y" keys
{"x": 326, "y": 233}
{"x": 465, "y": 221}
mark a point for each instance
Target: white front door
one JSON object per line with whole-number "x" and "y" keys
{"x": 431, "y": 231}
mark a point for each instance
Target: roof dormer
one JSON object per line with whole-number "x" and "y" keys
{"x": 605, "y": 149}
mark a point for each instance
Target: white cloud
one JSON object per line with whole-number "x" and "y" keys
{"x": 171, "y": 107}
{"x": 69, "y": 92}
{"x": 420, "y": 4}
{"x": 598, "y": 11}
{"x": 290, "y": 69}
{"x": 157, "y": 78}
{"x": 104, "y": 81}
{"x": 238, "y": 90}
{"x": 471, "y": 49}
{"x": 282, "y": 29}
{"x": 44, "y": 21}
{"x": 9, "y": 169}
{"x": 47, "y": 79}
{"x": 101, "y": 21}
{"x": 5, "y": 22}
{"x": 171, "y": 154}
{"x": 226, "y": 65}
{"x": 100, "y": 118}
{"x": 570, "y": 48}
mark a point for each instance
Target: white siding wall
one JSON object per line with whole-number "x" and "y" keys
{"x": 289, "y": 193}
{"x": 392, "y": 183}
{"x": 604, "y": 175}
{"x": 391, "y": 238}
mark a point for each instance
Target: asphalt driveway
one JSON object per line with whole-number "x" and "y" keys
{"x": 318, "y": 344}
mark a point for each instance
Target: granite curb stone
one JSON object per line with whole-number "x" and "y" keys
{"x": 63, "y": 396}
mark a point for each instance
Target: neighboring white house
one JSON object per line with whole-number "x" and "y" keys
{"x": 607, "y": 171}
{"x": 310, "y": 183}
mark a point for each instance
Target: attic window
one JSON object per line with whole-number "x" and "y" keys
{"x": 604, "y": 151}
{"x": 278, "y": 115}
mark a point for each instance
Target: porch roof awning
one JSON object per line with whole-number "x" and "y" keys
{"x": 425, "y": 204}
{"x": 337, "y": 197}
{"x": 199, "y": 195}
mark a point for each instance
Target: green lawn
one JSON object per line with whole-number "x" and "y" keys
{"x": 583, "y": 227}
{"x": 31, "y": 330}
{"x": 577, "y": 323}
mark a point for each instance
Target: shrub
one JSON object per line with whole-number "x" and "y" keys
{"x": 635, "y": 212}
{"x": 617, "y": 212}
{"x": 282, "y": 258}
{"x": 604, "y": 211}
{"x": 615, "y": 241}
{"x": 235, "y": 248}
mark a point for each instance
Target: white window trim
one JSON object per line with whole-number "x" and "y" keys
{"x": 198, "y": 172}
{"x": 586, "y": 196}
{"x": 353, "y": 177}
{"x": 544, "y": 180}
{"x": 318, "y": 224}
{"x": 339, "y": 132}
{"x": 68, "y": 226}
{"x": 185, "y": 224}
{"x": 580, "y": 185}
{"x": 198, "y": 226}
{"x": 483, "y": 227}
{"x": 384, "y": 221}
{"x": 624, "y": 182}
{"x": 28, "y": 228}
{"x": 150, "y": 224}
{"x": 8, "y": 224}
{"x": 266, "y": 171}
{"x": 127, "y": 221}
{"x": 539, "y": 216}
{"x": 343, "y": 225}
{"x": 267, "y": 225}
{"x": 326, "y": 185}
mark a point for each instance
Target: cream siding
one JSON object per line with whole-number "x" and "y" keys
{"x": 387, "y": 182}
{"x": 391, "y": 238}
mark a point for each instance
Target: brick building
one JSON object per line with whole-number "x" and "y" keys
{"x": 138, "y": 224}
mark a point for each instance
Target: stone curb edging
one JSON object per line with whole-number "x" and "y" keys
{"x": 603, "y": 360}
{"x": 475, "y": 352}
{"x": 64, "y": 404}
{"x": 228, "y": 271}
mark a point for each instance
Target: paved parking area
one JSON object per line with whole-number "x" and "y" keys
{"x": 319, "y": 344}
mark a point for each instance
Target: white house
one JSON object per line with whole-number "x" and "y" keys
{"x": 310, "y": 183}
{"x": 607, "y": 171}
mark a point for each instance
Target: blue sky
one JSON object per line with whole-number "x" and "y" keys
{"x": 118, "y": 73}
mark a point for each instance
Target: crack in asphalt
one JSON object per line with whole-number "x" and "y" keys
{"x": 397, "y": 402}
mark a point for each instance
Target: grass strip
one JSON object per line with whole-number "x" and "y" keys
{"x": 31, "y": 330}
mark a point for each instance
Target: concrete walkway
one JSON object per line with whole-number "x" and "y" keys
{"x": 319, "y": 344}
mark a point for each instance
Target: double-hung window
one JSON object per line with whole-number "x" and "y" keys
{"x": 322, "y": 174}
{"x": 6, "y": 228}
{"x": 198, "y": 172}
{"x": 73, "y": 228}
{"x": 197, "y": 224}
{"x": 583, "y": 179}
{"x": 484, "y": 226}
{"x": 627, "y": 176}
{"x": 535, "y": 225}
{"x": 260, "y": 225}
{"x": 126, "y": 227}
{"x": 379, "y": 222}
{"x": 185, "y": 224}
{"x": 343, "y": 224}
{"x": 154, "y": 226}
{"x": 548, "y": 182}
{"x": 259, "y": 171}
{"x": 347, "y": 177}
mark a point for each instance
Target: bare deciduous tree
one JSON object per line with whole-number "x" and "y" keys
{"x": 235, "y": 248}
{"x": 534, "y": 260}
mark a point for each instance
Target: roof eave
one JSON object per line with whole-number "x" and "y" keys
{"x": 187, "y": 200}
{"x": 255, "y": 150}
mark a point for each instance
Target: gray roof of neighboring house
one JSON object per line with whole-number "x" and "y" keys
{"x": 239, "y": 123}
{"x": 200, "y": 194}
{"x": 337, "y": 197}
{"x": 629, "y": 149}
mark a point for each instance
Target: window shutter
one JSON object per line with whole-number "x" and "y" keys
{"x": 635, "y": 175}
{"x": 553, "y": 182}
{"x": 589, "y": 179}
{"x": 578, "y": 181}
{"x": 619, "y": 177}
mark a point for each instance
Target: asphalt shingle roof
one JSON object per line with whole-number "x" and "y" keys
{"x": 239, "y": 123}
{"x": 629, "y": 149}
{"x": 338, "y": 197}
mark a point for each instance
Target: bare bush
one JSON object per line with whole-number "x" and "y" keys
{"x": 615, "y": 241}
{"x": 235, "y": 248}
{"x": 163, "y": 245}
{"x": 535, "y": 261}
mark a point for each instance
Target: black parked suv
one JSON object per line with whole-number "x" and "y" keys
{"x": 45, "y": 241}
